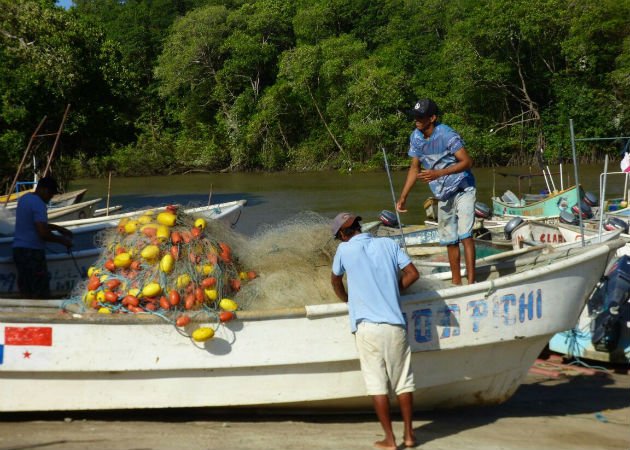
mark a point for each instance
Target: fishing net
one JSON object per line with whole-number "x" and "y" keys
{"x": 169, "y": 263}
{"x": 176, "y": 266}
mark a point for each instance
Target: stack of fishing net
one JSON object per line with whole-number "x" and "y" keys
{"x": 166, "y": 263}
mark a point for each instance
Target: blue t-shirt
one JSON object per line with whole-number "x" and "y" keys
{"x": 30, "y": 209}
{"x": 438, "y": 152}
{"x": 372, "y": 266}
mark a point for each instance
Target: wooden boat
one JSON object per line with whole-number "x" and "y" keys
{"x": 479, "y": 342}
{"x": 13, "y": 197}
{"x": 99, "y": 212}
{"x": 229, "y": 212}
{"x": 533, "y": 233}
{"x": 65, "y": 269}
{"x": 414, "y": 234}
{"x": 85, "y": 230}
{"x": 552, "y": 205}
{"x": 75, "y": 211}
{"x": 59, "y": 200}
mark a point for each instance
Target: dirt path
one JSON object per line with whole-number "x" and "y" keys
{"x": 576, "y": 412}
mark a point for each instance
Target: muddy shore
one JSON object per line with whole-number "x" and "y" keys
{"x": 577, "y": 411}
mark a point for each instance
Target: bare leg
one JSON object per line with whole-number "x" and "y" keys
{"x": 453, "y": 260}
{"x": 381, "y": 406}
{"x": 405, "y": 401}
{"x": 469, "y": 255}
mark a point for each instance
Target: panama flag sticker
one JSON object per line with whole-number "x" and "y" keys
{"x": 19, "y": 341}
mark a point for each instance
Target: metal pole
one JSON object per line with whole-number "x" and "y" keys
{"x": 602, "y": 194}
{"x": 52, "y": 152}
{"x": 391, "y": 186}
{"x": 561, "y": 180}
{"x": 109, "y": 188}
{"x": 577, "y": 184}
{"x": 28, "y": 147}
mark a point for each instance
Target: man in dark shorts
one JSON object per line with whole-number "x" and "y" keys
{"x": 31, "y": 231}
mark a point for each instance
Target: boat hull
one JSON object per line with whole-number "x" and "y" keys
{"x": 549, "y": 207}
{"x": 470, "y": 345}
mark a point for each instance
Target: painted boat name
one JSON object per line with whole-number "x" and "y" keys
{"x": 507, "y": 310}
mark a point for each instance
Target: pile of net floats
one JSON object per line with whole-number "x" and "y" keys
{"x": 166, "y": 263}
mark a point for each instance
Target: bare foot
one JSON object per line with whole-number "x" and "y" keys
{"x": 385, "y": 445}
{"x": 410, "y": 440}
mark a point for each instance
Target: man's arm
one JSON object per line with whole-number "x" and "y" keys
{"x": 464, "y": 162}
{"x": 44, "y": 232}
{"x": 412, "y": 177}
{"x": 337, "y": 284}
{"x": 410, "y": 275}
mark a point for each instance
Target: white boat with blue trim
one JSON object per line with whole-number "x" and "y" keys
{"x": 471, "y": 345}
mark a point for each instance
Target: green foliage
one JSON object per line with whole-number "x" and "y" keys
{"x": 164, "y": 86}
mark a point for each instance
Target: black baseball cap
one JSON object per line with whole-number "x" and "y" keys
{"x": 49, "y": 183}
{"x": 425, "y": 107}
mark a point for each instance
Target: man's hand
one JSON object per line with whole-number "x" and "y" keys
{"x": 400, "y": 205}
{"x": 429, "y": 175}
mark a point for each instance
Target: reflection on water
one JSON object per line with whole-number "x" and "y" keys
{"x": 273, "y": 197}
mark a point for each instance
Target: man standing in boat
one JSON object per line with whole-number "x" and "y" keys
{"x": 440, "y": 150}
{"x": 376, "y": 319}
{"x": 32, "y": 230}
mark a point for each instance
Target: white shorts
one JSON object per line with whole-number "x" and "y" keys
{"x": 385, "y": 358}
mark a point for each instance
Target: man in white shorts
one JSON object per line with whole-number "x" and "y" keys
{"x": 372, "y": 266}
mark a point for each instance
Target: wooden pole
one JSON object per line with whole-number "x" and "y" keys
{"x": 210, "y": 195}
{"x": 52, "y": 152}
{"x": 28, "y": 147}
{"x": 109, "y": 188}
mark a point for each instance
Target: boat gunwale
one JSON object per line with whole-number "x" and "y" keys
{"x": 322, "y": 310}
{"x": 530, "y": 205}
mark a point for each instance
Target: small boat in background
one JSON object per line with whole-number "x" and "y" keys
{"x": 65, "y": 268}
{"x": 549, "y": 206}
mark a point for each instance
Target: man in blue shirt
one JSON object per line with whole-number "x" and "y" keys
{"x": 438, "y": 157}
{"x": 376, "y": 319}
{"x": 31, "y": 231}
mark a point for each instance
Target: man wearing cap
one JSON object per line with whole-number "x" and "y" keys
{"x": 440, "y": 150}
{"x": 31, "y": 231}
{"x": 372, "y": 266}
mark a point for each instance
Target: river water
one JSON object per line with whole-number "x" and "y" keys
{"x": 278, "y": 196}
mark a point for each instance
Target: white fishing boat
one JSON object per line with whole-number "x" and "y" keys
{"x": 85, "y": 231}
{"x": 229, "y": 212}
{"x": 77, "y": 211}
{"x": 471, "y": 345}
{"x": 58, "y": 201}
{"x": 66, "y": 269}
{"x": 532, "y": 233}
{"x": 106, "y": 211}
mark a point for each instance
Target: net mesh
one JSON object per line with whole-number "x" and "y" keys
{"x": 165, "y": 262}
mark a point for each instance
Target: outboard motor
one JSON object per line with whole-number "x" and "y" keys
{"x": 511, "y": 225}
{"x": 388, "y": 218}
{"x": 611, "y": 304}
{"x": 613, "y": 223}
{"x": 591, "y": 199}
{"x": 587, "y": 213}
{"x": 482, "y": 210}
{"x": 568, "y": 218}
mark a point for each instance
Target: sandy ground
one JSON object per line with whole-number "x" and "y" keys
{"x": 571, "y": 412}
